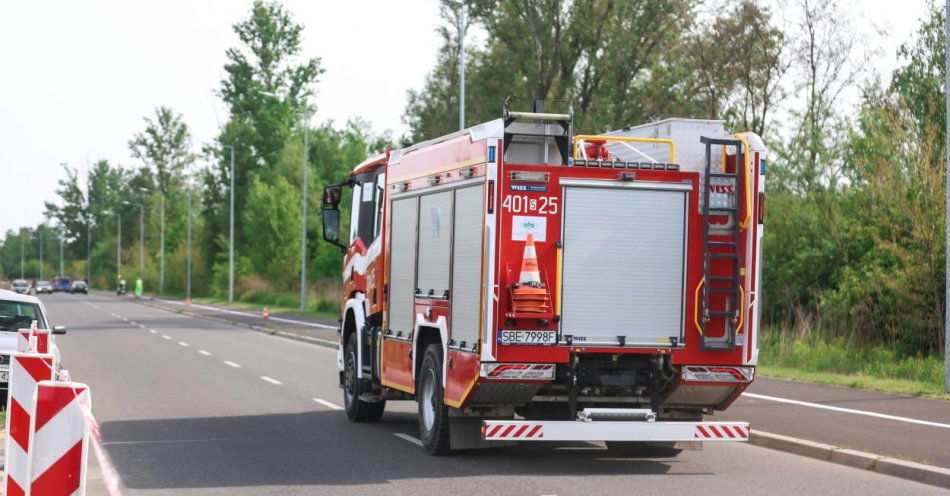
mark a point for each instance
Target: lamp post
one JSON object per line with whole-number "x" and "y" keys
{"x": 303, "y": 224}
{"x": 188, "y": 253}
{"x": 161, "y": 242}
{"x": 21, "y": 254}
{"x": 231, "y": 233}
{"x": 41, "y": 251}
{"x": 61, "y": 271}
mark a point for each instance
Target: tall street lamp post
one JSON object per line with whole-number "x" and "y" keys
{"x": 231, "y": 233}
{"x": 188, "y": 257}
{"x": 161, "y": 242}
{"x": 41, "y": 251}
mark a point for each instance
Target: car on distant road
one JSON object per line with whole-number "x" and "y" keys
{"x": 79, "y": 286}
{"x": 18, "y": 311}
{"x": 62, "y": 283}
{"x": 42, "y": 287}
{"x": 20, "y": 286}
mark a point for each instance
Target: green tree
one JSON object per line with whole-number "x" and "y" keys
{"x": 599, "y": 53}
{"x": 272, "y": 219}
{"x": 165, "y": 147}
{"x": 266, "y": 91}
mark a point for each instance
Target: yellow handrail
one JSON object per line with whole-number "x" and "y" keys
{"x": 661, "y": 141}
{"x": 696, "y": 306}
{"x": 741, "y": 309}
{"x": 747, "y": 186}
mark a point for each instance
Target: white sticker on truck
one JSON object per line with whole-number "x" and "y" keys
{"x": 523, "y": 225}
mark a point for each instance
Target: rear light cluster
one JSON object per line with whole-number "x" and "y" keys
{"x": 702, "y": 373}
{"x": 522, "y": 371}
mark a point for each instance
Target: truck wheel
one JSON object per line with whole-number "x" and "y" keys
{"x": 642, "y": 449}
{"x": 433, "y": 414}
{"x": 356, "y": 409}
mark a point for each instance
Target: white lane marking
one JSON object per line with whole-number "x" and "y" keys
{"x": 142, "y": 326}
{"x": 203, "y": 352}
{"x": 846, "y": 410}
{"x": 271, "y": 380}
{"x": 332, "y": 406}
{"x": 166, "y": 336}
{"x": 125, "y": 319}
{"x": 153, "y": 331}
{"x": 248, "y": 314}
{"x": 183, "y": 343}
{"x": 232, "y": 364}
{"x": 409, "y": 438}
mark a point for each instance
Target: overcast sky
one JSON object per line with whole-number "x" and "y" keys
{"x": 78, "y": 76}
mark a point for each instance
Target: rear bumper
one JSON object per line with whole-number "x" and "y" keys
{"x": 568, "y": 430}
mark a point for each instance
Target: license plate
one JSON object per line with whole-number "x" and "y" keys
{"x": 528, "y": 337}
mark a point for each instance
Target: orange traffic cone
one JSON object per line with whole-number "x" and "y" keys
{"x": 265, "y": 314}
{"x": 529, "y": 295}
{"x": 530, "y": 274}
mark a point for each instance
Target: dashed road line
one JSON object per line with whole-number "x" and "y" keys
{"x": 407, "y": 437}
{"x": 153, "y": 331}
{"x": 332, "y": 406}
{"x": 232, "y": 364}
{"x": 205, "y": 353}
{"x": 271, "y": 380}
{"x": 166, "y": 336}
{"x": 183, "y": 343}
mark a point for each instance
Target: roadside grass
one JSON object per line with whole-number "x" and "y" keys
{"x": 828, "y": 360}
{"x": 323, "y": 299}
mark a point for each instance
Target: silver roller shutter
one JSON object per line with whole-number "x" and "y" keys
{"x": 624, "y": 261}
{"x": 467, "y": 264}
{"x": 435, "y": 238}
{"x": 402, "y": 275}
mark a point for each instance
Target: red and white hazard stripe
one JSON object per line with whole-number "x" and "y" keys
{"x": 60, "y": 439}
{"x": 26, "y": 370}
{"x": 514, "y": 431}
{"x": 42, "y": 340}
{"x": 613, "y": 430}
{"x": 722, "y": 431}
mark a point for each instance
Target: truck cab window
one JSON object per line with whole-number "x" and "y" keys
{"x": 355, "y": 212}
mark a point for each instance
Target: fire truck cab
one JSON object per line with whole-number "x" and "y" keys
{"x": 524, "y": 283}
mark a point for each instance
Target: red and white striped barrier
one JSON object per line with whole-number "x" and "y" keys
{"x": 26, "y": 370}
{"x": 60, "y": 436}
{"x": 42, "y": 340}
{"x": 722, "y": 431}
{"x": 620, "y": 430}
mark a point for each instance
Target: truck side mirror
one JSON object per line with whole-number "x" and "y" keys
{"x": 331, "y": 197}
{"x": 59, "y": 329}
{"x": 331, "y": 226}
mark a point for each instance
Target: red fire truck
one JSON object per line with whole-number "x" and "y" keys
{"x": 523, "y": 283}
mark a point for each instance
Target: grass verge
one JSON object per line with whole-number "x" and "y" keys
{"x": 826, "y": 360}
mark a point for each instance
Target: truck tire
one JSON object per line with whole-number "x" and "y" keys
{"x": 642, "y": 449}
{"x": 433, "y": 414}
{"x": 356, "y": 409}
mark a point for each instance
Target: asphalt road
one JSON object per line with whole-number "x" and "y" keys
{"x": 189, "y": 406}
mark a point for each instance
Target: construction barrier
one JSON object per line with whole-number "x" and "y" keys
{"x": 42, "y": 340}
{"x": 60, "y": 437}
{"x": 26, "y": 370}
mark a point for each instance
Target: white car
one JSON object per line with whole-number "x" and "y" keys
{"x": 18, "y": 311}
